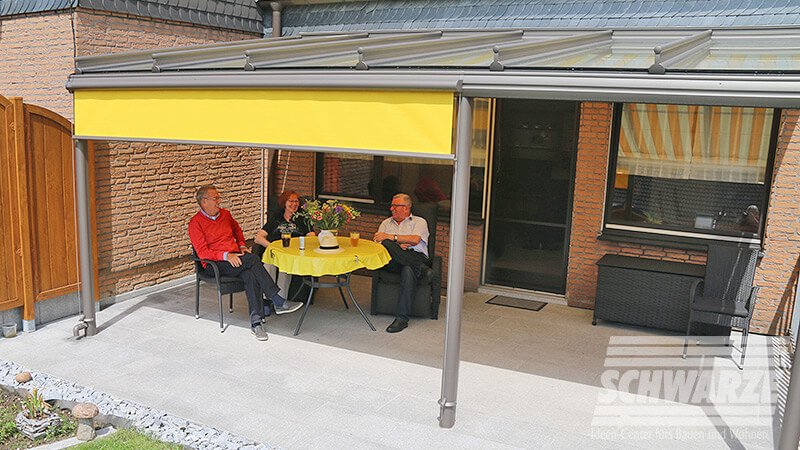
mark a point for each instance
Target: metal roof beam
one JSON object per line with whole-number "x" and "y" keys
{"x": 381, "y": 54}
{"x": 220, "y": 54}
{"x": 534, "y": 51}
{"x": 774, "y": 91}
{"x": 118, "y": 62}
{"x": 680, "y": 50}
{"x": 320, "y": 78}
{"x": 143, "y": 60}
{"x": 269, "y": 57}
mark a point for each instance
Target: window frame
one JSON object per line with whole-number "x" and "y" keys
{"x": 374, "y": 205}
{"x": 673, "y": 237}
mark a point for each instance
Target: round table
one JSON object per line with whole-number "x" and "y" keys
{"x": 313, "y": 262}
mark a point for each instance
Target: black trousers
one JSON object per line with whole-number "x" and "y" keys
{"x": 410, "y": 265}
{"x": 257, "y": 283}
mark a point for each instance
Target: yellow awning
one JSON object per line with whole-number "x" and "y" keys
{"x": 711, "y": 143}
{"x": 394, "y": 121}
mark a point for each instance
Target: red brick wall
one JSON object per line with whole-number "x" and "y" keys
{"x": 145, "y": 198}
{"x": 777, "y": 273}
{"x": 37, "y": 55}
{"x": 98, "y": 32}
{"x": 294, "y": 171}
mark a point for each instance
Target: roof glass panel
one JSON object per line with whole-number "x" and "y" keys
{"x": 765, "y": 50}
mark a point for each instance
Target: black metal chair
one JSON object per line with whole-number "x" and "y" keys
{"x": 225, "y": 285}
{"x": 386, "y": 285}
{"x": 727, "y": 296}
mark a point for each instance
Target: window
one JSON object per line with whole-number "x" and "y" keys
{"x": 691, "y": 171}
{"x": 375, "y": 179}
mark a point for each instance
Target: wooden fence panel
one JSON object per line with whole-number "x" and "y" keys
{"x": 38, "y": 252}
{"x": 16, "y": 288}
{"x": 51, "y": 190}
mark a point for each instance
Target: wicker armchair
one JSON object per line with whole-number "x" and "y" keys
{"x": 386, "y": 285}
{"x": 225, "y": 285}
{"x": 727, "y": 296}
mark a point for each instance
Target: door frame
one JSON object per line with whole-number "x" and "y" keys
{"x": 489, "y": 186}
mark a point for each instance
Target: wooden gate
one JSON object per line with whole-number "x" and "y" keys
{"x": 38, "y": 255}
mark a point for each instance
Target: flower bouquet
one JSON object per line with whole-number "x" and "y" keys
{"x": 327, "y": 216}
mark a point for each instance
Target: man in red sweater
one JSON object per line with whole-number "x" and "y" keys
{"x": 216, "y": 236}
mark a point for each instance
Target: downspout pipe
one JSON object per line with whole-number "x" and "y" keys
{"x": 277, "y": 7}
{"x": 270, "y": 21}
{"x": 87, "y": 321}
{"x": 455, "y": 272}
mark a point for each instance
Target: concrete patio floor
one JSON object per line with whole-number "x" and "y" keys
{"x": 527, "y": 379}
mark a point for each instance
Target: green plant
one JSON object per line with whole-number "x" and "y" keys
{"x": 34, "y": 406}
{"x": 67, "y": 427}
{"x": 7, "y": 430}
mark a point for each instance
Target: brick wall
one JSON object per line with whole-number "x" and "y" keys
{"x": 98, "y": 32}
{"x": 777, "y": 273}
{"x": 145, "y": 198}
{"x": 37, "y": 55}
{"x": 294, "y": 171}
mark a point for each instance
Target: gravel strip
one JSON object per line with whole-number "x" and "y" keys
{"x": 124, "y": 413}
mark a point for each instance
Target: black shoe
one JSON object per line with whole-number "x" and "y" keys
{"x": 397, "y": 326}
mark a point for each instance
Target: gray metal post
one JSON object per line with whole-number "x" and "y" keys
{"x": 87, "y": 320}
{"x": 455, "y": 264}
{"x": 790, "y": 428}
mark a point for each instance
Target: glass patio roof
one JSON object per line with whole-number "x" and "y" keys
{"x": 740, "y": 50}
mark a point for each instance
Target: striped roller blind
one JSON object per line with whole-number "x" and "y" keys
{"x": 710, "y": 143}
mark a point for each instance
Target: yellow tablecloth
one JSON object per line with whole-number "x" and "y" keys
{"x": 315, "y": 262}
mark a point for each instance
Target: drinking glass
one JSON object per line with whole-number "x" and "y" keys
{"x": 286, "y": 238}
{"x": 354, "y": 239}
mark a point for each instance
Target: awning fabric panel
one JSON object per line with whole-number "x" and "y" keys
{"x": 711, "y": 143}
{"x": 401, "y": 121}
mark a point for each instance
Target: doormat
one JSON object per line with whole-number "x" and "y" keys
{"x": 501, "y": 300}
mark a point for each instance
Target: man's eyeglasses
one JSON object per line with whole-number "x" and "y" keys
{"x": 396, "y": 205}
{"x": 215, "y": 198}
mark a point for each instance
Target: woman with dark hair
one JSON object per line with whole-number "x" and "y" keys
{"x": 282, "y": 221}
{"x": 279, "y": 222}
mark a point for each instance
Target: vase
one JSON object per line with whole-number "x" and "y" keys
{"x": 327, "y": 239}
